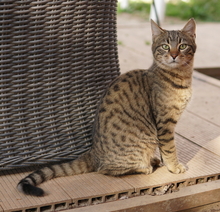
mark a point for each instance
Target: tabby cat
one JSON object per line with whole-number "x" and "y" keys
{"x": 137, "y": 114}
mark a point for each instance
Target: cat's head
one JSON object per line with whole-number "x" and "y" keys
{"x": 174, "y": 49}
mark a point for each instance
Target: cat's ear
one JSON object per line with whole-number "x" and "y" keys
{"x": 156, "y": 30}
{"x": 190, "y": 28}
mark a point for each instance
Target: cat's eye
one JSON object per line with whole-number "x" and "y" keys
{"x": 182, "y": 46}
{"x": 165, "y": 47}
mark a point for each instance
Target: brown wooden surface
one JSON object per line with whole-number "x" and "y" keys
{"x": 198, "y": 198}
{"x": 212, "y": 72}
{"x": 198, "y": 143}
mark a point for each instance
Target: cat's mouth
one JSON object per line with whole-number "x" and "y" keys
{"x": 173, "y": 62}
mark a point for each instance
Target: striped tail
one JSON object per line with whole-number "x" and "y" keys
{"x": 79, "y": 166}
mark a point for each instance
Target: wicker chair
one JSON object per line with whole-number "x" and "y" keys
{"x": 57, "y": 57}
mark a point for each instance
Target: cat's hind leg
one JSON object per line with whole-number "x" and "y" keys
{"x": 113, "y": 170}
{"x": 155, "y": 162}
{"x": 147, "y": 170}
{"x": 117, "y": 171}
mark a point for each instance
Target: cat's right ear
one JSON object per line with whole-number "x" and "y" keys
{"x": 156, "y": 30}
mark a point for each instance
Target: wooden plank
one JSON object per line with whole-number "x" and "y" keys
{"x": 197, "y": 129}
{"x": 212, "y": 207}
{"x": 212, "y": 72}
{"x": 200, "y": 161}
{"x": 135, "y": 54}
{"x": 213, "y": 146}
{"x": 1, "y": 209}
{"x": 186, "y": 198}
{"x": 205, "y": 101}
{"x": 133, "y": 60}
{"x": 206, "y": 79}
{"x": 12, "y": 200}
{"x": 92, "y": 188}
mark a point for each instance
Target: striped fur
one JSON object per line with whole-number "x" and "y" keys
{"x": 137, "y": 114}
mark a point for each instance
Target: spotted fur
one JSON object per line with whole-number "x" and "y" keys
{"x": 137, "y": 114}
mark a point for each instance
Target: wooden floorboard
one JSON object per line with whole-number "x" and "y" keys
{"x": 196, "y": 129}
{"x": 92, "y": 188}
{"x": 198, "y": 145}
{"x": 188, "y": 199}
{"x": 205, "y": 100}
{"x": 12, "y": 200}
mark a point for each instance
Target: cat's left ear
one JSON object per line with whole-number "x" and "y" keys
{"x": 190, "y": 28}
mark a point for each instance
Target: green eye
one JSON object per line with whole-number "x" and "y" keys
{"x": 182, "y": 46}
{"x": 165, "y": 47}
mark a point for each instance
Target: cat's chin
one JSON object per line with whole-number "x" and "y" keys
{"x": 173, "y": 64}
{"x": 169, "y": 65}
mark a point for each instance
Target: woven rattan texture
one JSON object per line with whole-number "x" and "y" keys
{"x": 57, "y": 57}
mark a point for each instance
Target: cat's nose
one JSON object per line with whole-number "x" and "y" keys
{"x": 174, "y": 56}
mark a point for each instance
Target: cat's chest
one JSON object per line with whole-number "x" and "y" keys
{"x": 171, "y": 101}
{"x": 179, "y": 97}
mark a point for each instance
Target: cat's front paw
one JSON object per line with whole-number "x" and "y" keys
{"x": 179, "y": 168}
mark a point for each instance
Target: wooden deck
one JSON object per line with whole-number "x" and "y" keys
{"x": 198, "y": 143}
